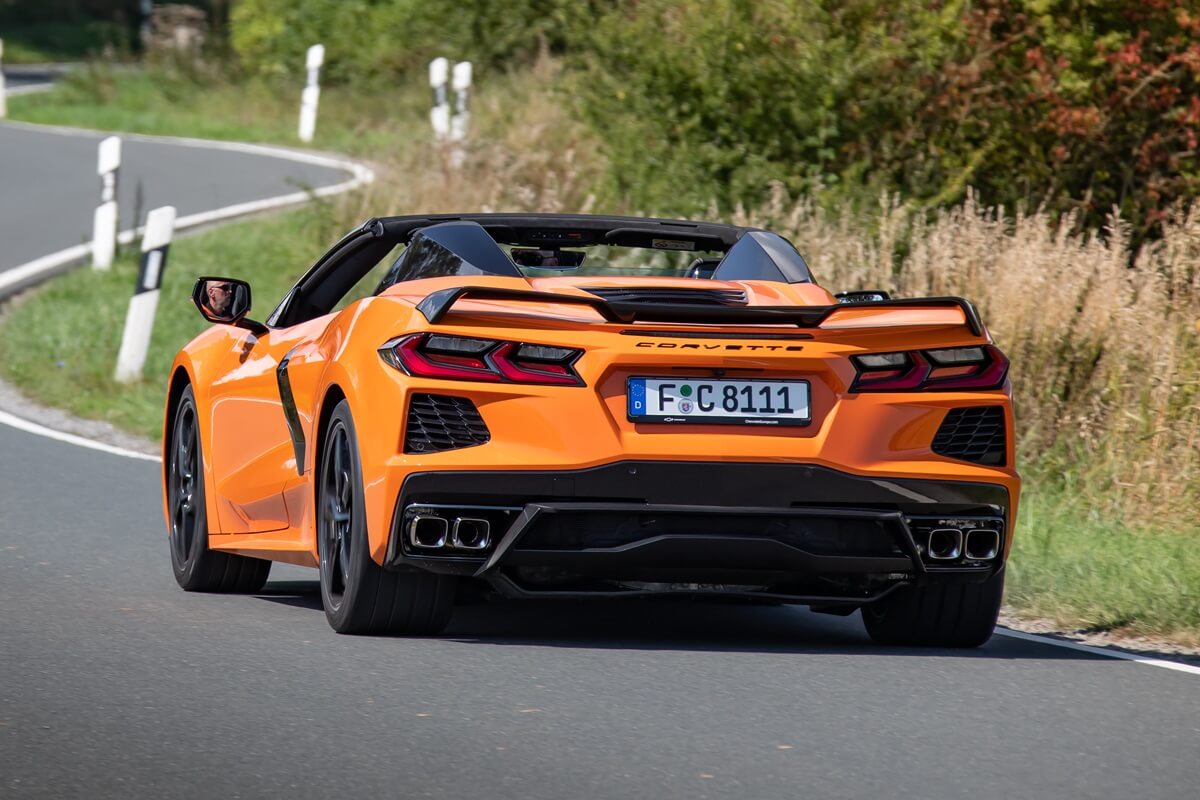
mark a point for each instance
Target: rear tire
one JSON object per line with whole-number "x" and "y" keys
{"x": 196, "y": 567}
{"x": 944, "y": 615}
{"x": 359, "y": 595}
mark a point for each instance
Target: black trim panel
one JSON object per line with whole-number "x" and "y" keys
{"x": 730, "y": 484}
{"x": 290, "y": 414}
{"x": 437, "y": 305}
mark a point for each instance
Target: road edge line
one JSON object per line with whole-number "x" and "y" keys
{"x": 22, "y": 424}
{"x": 1100, "y": 651}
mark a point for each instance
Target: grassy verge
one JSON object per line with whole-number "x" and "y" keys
{"x": 198, "y": 101}
{"x": 1089, "y": 571}
{"x": 59, "y": 344}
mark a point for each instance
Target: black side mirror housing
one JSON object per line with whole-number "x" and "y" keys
{"x": 225, "y": 301}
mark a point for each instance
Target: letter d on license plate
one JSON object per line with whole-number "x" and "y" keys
{"x": 711, "y": 401}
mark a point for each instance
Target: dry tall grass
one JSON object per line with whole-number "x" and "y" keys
{"x": 1103, "y": 344}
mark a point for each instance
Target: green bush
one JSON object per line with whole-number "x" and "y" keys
{"x": 1075, "y": 104}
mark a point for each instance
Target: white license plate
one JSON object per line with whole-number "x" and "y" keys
{"x": 718, "y": 401}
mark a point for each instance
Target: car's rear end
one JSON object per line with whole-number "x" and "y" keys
{"x": 743, "y": 438}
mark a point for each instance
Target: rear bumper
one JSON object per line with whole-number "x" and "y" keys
{"x": 789, "y": 531}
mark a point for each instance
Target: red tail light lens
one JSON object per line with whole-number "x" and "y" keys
{"x": 956, "y": 369}
{"x": 462, "y": 358}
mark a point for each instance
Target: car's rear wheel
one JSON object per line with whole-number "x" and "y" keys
{"x": 941, "y": 615}
{"x": 198, "y": 568}
{"x": 359, "y": 595}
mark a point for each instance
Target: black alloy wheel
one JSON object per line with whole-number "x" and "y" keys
{"x": 196, "y": 567}
{"x": 359, "y": 595}
{"x": 338, "y": 515}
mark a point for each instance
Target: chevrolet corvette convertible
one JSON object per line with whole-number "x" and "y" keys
{"x": 553, "y": 406}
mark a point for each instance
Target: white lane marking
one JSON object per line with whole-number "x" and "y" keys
{"x": 1100, "y": 651}
{"x": 48, "y": 264}
{"x": 80, "y": 441}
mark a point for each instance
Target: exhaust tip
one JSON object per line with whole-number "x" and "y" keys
{"x": 982, "y": 544}
{"x": 471, "y": 533}
{"x": 945, "y": 544}
{"x": 428, "y": 531}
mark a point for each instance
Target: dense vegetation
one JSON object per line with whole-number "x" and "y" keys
{"x": 1075, "y": 105}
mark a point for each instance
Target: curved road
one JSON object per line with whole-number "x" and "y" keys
{"x": 113, "y": 683}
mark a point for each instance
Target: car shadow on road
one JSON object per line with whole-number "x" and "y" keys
{"x": 684, "y": 624}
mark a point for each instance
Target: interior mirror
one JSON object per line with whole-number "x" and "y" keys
{"x": 547, "y": 259}
{"x": 863, "y": 296}
{"x": 222, "y": 300}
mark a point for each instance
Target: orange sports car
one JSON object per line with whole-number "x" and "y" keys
{"x": 571, "y": 406}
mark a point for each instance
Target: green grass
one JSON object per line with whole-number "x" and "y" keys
{"x": 1086, "y": 570}
{"x": 59, "y": 345}
{"x": 196, "y": 101}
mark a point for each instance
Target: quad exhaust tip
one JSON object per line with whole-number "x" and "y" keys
{"x": 432, "y": 532}
{"x": 471, "y": 533}
{"x": 945, "y": 544}
{"x": 982, "y": 544}
{"x": 428, "y": 532}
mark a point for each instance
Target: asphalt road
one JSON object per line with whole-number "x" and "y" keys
{"x": 49, "y": 188}
{"x": 114, "y": 683}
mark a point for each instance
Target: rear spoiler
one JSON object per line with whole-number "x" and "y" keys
{"x": 437, "y": 305}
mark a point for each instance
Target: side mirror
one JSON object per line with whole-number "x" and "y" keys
{"x": 225, "y": 301}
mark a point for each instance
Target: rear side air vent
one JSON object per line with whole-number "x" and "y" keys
{"x": 708, "y": 297}
{"x": 438, "y": 422}
{"x": 974, "y": 434}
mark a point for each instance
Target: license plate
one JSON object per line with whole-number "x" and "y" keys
{"x": 718, "y": 401}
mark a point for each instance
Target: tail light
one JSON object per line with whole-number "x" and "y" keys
{"x": 956, "y": 368}
{"x": 461, "y": 358}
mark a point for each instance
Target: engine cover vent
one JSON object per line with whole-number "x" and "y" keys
{"x": 974, "y": 434}
{"x": 439, "y": 422}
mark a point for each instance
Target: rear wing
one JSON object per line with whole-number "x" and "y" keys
{"x": 438, "y": 304}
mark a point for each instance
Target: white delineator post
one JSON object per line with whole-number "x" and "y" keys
{"x": 312, "y": 92}
{"x": 461, "y": 83}
{"x": 439, "y": 115}
{"x": 139, "y": 321}
{"x": 104, "y": 221}
{"x": 3, "y": 90}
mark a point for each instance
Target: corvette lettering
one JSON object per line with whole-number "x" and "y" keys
{"x": 771, "y": 348}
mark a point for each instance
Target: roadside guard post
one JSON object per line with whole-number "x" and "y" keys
{"x": 312, "y": 92}
{"x": 139, "y": 321}
{"x": 104, "y": 222}
{"x": 461, "y": 83}
{"x": 439, "y": 116}
{"x": 3, "y": 96}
